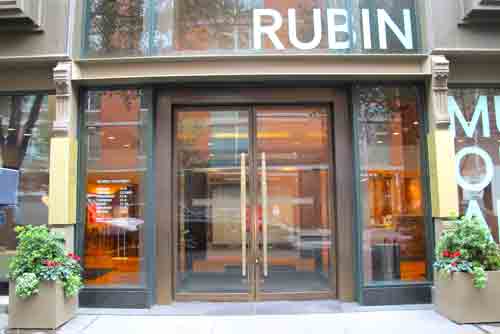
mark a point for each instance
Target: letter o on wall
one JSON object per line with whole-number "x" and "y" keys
{"x": 487, "y": 162}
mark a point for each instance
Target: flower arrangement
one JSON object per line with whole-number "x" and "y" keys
{"x": 467, "y": 246}
{"x": 41, "y": 256}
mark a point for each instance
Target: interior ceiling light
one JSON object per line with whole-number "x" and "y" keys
{"x": 260, "y": 135}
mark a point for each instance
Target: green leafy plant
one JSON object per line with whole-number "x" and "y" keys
{"x": 467, "y": 246}
{"x": 41, "y": 256}
{"x": 27, "y": 285}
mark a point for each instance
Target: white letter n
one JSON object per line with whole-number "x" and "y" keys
{"x": 384, "y": 21}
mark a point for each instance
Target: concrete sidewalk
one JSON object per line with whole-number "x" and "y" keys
{"x": 374, "y": 322}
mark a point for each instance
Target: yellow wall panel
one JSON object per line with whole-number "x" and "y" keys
{"x": 444, "y": 188}
{"x": 63, "y": 185}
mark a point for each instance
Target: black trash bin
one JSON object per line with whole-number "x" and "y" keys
{"x": 386, "y": 261}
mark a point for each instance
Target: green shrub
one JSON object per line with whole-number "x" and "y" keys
{"x": 467, "y": 246}
{"x": 41, "y": 256}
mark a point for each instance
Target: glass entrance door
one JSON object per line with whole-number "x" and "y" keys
{"x": 293, "y": 153}
{"x": 253, "y": 194}
{"x": 212, "y": 188}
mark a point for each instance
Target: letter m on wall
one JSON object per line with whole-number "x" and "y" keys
{"x": 469, "y": 127}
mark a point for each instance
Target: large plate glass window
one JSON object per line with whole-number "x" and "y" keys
{"x": 473, "y": 112}
{"x": 116, "y": 168}
{"x": 116, "y": 28}
{"x": 391, "y": 190}
{"x": 26, "y": 127}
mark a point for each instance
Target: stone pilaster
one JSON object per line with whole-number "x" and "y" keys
{"x": 441, "y": 143}
{"x": 63, "y": 156}
{"x": 65, "y": 102}
{"x": 439, "y": 94}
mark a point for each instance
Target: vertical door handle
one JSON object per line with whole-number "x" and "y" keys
{"x": 243, "y": 209}
{"x": 264, "y": 213}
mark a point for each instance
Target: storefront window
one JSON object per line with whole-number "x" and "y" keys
{"x": 116, "y": 187}
{"x": 475, "y": 125}
{"x": 25, "y": 132}
{"x": 117, "y": 28}
{"x": 391, "y": 190}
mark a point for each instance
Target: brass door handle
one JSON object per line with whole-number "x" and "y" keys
{"x": 243, "y": 208}
{"x": 265, "y": 201}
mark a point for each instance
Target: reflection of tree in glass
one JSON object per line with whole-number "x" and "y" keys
{"x": 190, "y": 130}
{"x": 117, "y": 26}
{"x": 15, "y": 138}
{"x": 216, "y": 24}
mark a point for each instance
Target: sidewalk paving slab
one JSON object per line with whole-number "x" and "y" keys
{"x": 218, "y": 318}
{"x": 405, "y": 322}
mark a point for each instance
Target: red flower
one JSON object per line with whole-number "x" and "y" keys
{"x": 50, "y": 264}
{"x": 446, "y": 253}
{"x": 457, "y": 254}
{"x": 454, "y": 264}
{"x": 74, "y": 257}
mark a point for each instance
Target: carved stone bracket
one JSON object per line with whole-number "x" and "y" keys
{"x": 64, "y": 95}
{"x": 440, "y": 75}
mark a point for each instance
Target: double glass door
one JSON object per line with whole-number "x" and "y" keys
{"x": 253, "y": 201}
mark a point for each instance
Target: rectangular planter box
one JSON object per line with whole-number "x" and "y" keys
{"x": 457, "y": 299}
{"x": 49, "y": 309}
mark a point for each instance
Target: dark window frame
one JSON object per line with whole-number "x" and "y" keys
{"x": 119, "y": 297}
{"x": 393, "y": 292}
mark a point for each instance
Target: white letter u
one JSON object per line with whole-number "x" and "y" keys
{"x": 292, "y": 28}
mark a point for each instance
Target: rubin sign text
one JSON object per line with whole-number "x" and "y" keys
{"x": 268, "y": 22}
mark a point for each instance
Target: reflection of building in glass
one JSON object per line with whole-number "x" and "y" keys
{"x": 163, "y": 27}
{"x": 114, "y": 229}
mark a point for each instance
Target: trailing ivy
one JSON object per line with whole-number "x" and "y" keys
{"x": 41, "y": 256}
{"x": 467, "y": 246}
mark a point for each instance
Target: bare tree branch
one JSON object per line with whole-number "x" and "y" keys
{"x": 14, "y": 148}
{"x": 28, "y": 128}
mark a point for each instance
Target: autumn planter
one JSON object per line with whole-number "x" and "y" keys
{"x": 467, "y": 273}
{"x": 44, "y": 281}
